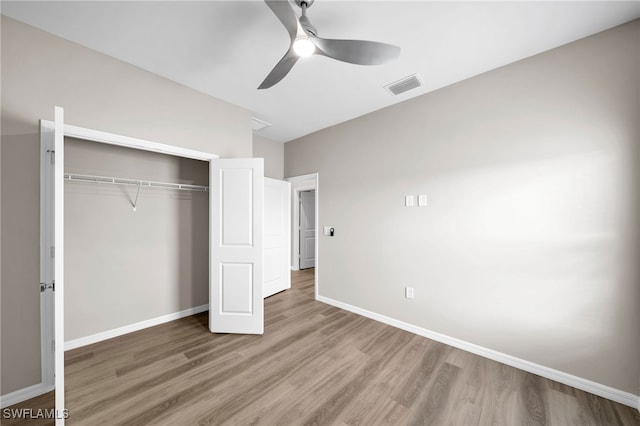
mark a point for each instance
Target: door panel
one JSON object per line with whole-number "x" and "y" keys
{"x": 237, "y": 289}
{"x": 236, "y": 246}
{"x": 307, "y": 229}
{"x": 277, "y": 236}
{"x": 237, "y": 210}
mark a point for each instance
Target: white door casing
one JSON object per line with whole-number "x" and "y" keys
{"x": 277, "y": 228}
{"x": 236, "y": 199}
{"x": 307, "y": 229}
{"x": 59, "y": 263}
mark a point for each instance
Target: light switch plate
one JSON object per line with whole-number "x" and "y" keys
{"x": 422, "y": 200}
{"x": 409, "y": 200}
{"x": 408, "y": 292}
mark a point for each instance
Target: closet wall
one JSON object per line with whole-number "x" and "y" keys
{"x": 124, "y": 266}
{"x": 99, "y": 92}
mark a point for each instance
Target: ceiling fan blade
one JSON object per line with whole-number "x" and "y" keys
{"x": 360, "y": 52}
{"x": 283, "y": 10}
{"x": 281, "y": 69}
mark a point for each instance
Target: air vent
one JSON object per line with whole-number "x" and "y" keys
{"x": 258, "y": 124}
{"x": 404, "y": 84}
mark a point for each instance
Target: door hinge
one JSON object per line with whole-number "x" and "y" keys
{"x": 46, "y": 286}
{"x": 53, "y": 156}
{"x": 53, "y": 251}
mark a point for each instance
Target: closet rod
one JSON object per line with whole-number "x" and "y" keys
{"x": 123, "y": 181}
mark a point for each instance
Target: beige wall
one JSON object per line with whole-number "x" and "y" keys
{"x": 530, "y": 241}
{"x": 124, "y": 266}
{"x": 273, "y": 154}
{"x": 99, "y": 92}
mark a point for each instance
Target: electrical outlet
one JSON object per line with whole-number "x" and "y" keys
{"x": 408, "y": 292}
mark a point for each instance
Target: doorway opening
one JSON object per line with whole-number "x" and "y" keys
{"x": 307, "y": 229}
{"x": 305, "y": 186}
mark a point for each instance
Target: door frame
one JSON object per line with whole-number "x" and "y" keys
{"x": 52, "y": 361}
{"x": 314, "y": 184}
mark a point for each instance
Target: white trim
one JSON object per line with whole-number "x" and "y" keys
{"x": 599, "y": 389}
{"x": 126, "y": 141}
{"x": 23, "y": 394}
{"x": 129, "y": 142}
{"x": 109, "y": 334}
{"x": 58, "y": 261}
{"x": 295, "y": 222}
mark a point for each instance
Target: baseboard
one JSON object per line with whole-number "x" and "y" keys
{"x": 604, "y": 391}
{"x": 98, "y": 337}
{"x": 23, "y": 394}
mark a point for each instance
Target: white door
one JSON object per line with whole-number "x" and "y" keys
{"x": 52, "y": 260}
{"x": 277, "y": 236}
{"x": 47, "y": 254}
{"x": 236, "y": 246}
{"x": 307, "y": 229}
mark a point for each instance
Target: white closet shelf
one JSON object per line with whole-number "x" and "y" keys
{"x": 124, "y": 181}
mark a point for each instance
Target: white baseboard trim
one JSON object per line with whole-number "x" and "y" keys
{"x": 98, "y": 337}
{"x": 604, "y": 391}
{"x": 23, "y": 394}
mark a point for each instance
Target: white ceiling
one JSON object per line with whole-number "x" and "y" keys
{"x": 226, "y": 48}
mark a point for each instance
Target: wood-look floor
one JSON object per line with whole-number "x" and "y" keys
{"x": 315, "y": 364}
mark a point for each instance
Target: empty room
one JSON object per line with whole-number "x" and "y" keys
{"x": 328, "y": 212}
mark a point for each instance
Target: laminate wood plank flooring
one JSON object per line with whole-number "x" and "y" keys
{"x": 314, "y": 365}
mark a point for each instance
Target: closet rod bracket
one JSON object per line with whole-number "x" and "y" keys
{"x": 135, "y": 203}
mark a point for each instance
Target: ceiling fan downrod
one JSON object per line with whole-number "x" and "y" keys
{"x": 304, "y": 21}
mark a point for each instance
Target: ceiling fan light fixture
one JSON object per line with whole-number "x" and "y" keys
{"x": 303, "y": 47}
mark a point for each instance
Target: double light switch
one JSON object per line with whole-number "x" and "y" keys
{"x": 410, "y": 200}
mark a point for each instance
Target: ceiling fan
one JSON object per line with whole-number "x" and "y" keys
{"x": 305, "y": 42}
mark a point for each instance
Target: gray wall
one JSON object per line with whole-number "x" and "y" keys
{"x": 530, "y": 241}
{"x": 99, "y": 92}
{"x": 124, "y": 266}
{"x": 273, "y": 154}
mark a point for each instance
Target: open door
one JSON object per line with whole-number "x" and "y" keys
{"x": 52, "y": 260}
{"x": 277, "y": 236}
{"x": 236, "y": 245}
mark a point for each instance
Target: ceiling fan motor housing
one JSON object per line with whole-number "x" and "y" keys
{"x": 307, "y": 2}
